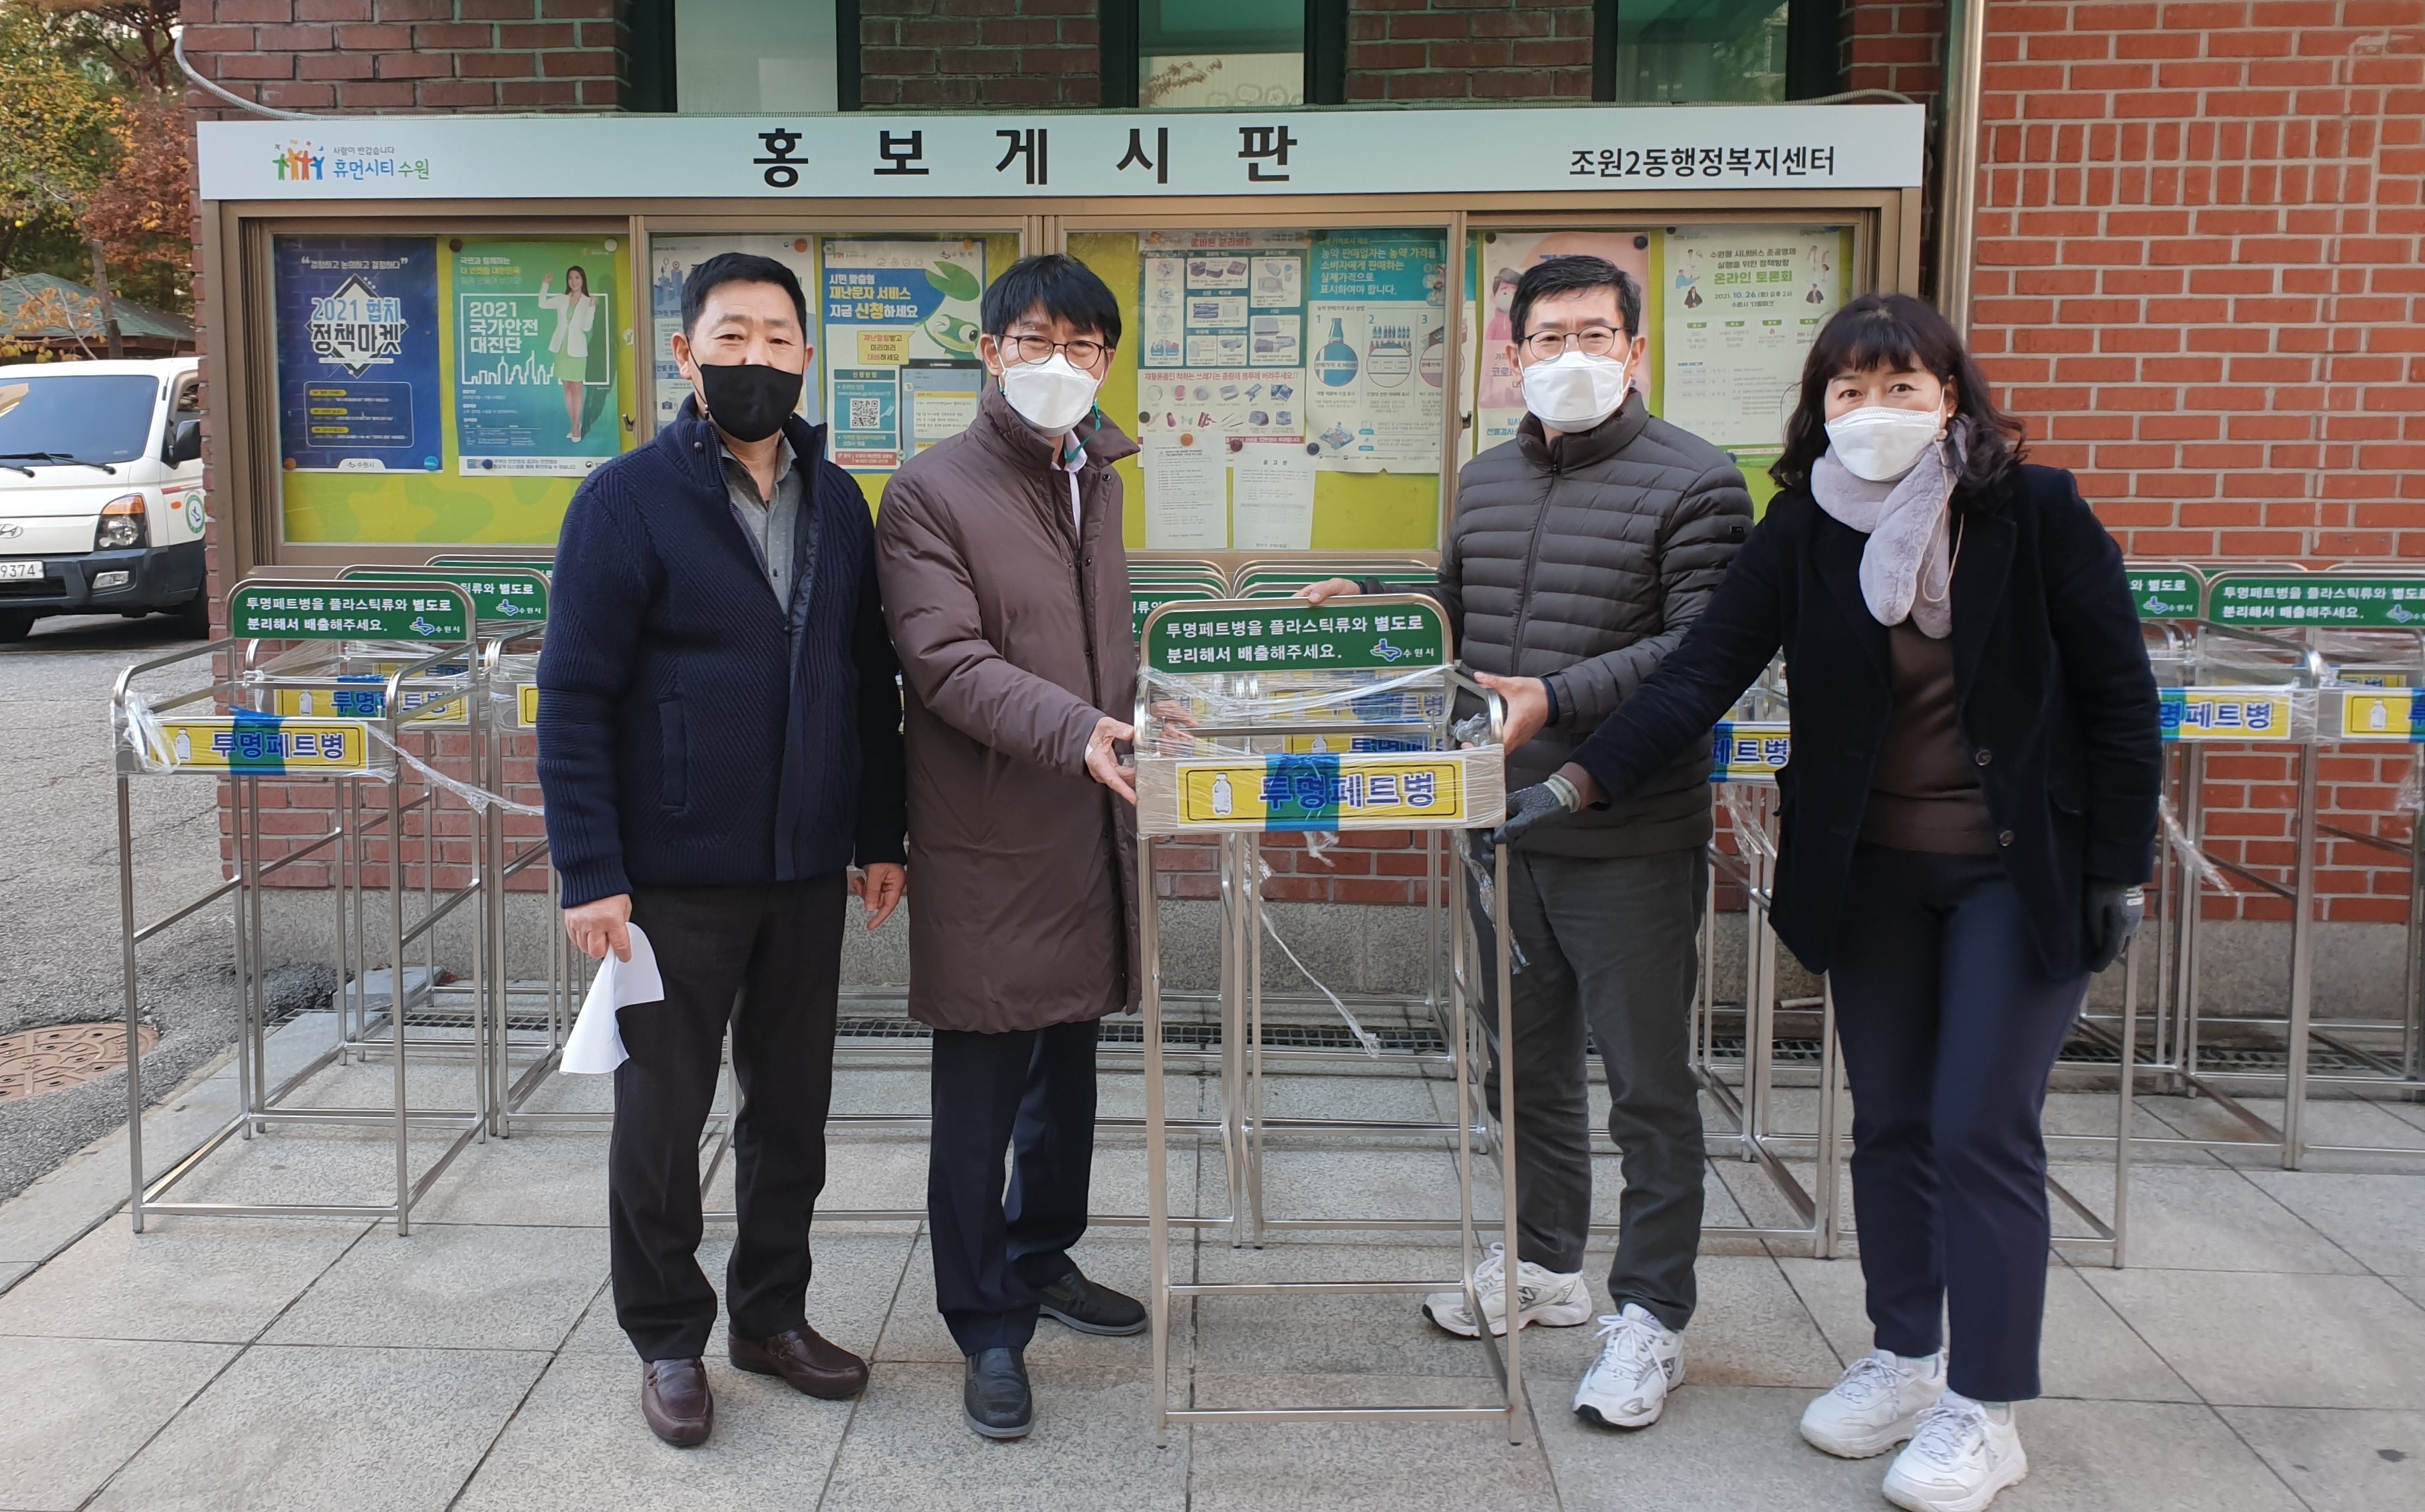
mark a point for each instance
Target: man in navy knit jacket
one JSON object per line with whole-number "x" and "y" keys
{"x": 719, "y": 732}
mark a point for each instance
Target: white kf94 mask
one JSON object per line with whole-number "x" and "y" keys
{"x": 1052, "y": 395}
{"x": 1575, "y": 391}
{"x": 1880, "y": 443}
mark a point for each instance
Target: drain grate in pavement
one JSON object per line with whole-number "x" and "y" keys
{"x": 44, "y": 1060}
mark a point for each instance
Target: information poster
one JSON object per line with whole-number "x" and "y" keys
{"x": 535, "y": 362}
{"x": 1743, "y": 304}
{"x": 490, "y": 460}
{"x": 1378, "y": 312}
{"x": 357, "y": 320}
{"x": 1272, "y": 497}
{"x": 902, "y": 370}
{"x": 1223, "y": 333}
{"x": 1499, "y": 404}
{"x": 670, "y": 260}
{"x": 1187, "y": 491}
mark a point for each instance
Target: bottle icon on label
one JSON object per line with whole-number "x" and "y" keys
{"x": 1390, "y": 357}
{"x": 1223, "y": 801}
{"x": 1433, "y": 365}
{"x": 2379, "y": 718}
{"x": 184, "y": 746}
{"x": 1336, "y": 365}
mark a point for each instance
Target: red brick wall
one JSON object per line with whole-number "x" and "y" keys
{"x": 917, "y": 53}
{"x": 1892, "y": 44}
{"x": 408, "y": 54}
{"x": 2198, "y": 281}
{"x": 1461, "y": 50}
{"x": 451, "y": 56}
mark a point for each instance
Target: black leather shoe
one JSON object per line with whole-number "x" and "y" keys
{"x": 1091, "y": 1309}
{"x": 995, "y": 1399}
{"x": 675, "y": 1399}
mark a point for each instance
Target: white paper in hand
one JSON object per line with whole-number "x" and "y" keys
{"x": 595, "y": 1046}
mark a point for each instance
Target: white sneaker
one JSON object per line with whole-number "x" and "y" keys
{"x": 1641, "y": 1361}
{"x": 1546, "y": 1298}
{"x": 1876, "y": 1405}
{"x": 1957, "y": 1460}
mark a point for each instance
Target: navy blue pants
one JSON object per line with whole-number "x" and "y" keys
{"x": 1950, "y": 1030}
{"x": 1032, "y": 1092}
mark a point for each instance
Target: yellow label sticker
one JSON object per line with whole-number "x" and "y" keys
{"x": 526, "y": 703}
{"x": 368, "y": 700}
{"x": 265, "y": 745}
{"x": 2389, "y": 714}
{"x": 1316, "y": 791}
{"x": 883, "y": 349}
{"x": 2224, "y": 713}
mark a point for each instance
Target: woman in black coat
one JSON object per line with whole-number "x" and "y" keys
{"x": 1970, "y": 802}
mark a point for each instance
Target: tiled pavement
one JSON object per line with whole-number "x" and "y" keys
{"x": 2265, "y": 1349}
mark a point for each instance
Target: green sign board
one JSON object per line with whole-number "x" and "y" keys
{"x": 2343, "y": 601}
{"x": 527, "y": 564}
{"x": 346, "y": 611}
{"x": 2166, "y": 590}
{"x": 1145, "y": 597}
{"x": 1346, "y": 634}
{"x": 510, "y": 595}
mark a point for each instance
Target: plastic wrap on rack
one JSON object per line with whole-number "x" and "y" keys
{"x": 472, "y": 793}
{"x": 1364, "y": 1037}
{"x": 1179, "y": 703}
{"x": 1486, "y": 890}
{"x": 513, "y": 689}
{"x": 2183, "y": 847}
{"x": 315, "y": 658}
{"x": 243, "y": 743}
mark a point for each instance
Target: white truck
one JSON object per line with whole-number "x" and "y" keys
{"x": 101, "y": 491}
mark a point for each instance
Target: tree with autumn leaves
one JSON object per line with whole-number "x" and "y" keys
{"x": 95, "y": 161}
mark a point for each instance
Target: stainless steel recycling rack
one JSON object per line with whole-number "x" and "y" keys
{"x": 1260, "y": 715}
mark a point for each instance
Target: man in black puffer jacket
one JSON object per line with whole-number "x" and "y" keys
{"x": 1580, "y": 554}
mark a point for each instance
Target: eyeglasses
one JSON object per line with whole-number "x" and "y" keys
{"x": 1594, "y": 340}
{"x": 1081, "y": 352}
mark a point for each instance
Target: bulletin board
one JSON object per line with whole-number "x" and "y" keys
{"x": 1311, "y": 300}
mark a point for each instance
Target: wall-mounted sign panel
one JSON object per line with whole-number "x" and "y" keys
{"x": 1665, "y": 148}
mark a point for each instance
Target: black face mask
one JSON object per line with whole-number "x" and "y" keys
{"x": 749, "y": 401}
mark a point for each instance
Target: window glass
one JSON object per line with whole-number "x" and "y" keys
{"x": 1220, "y": 53}
{"x": 1288, "y": 387}
{"x": 100, "y": 417}
{"x": 1727, "y": 313}
{"x": 1700, "y": 50}
{"x": 893, "y": 321}
{"x": 447, "y": 389}
{"x": 753, "y": 57}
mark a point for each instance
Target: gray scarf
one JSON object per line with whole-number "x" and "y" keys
{"x": 1906, "y": 568}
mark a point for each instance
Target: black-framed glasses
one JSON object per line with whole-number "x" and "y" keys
{"x": 1081, "y": 352}
{"x": 1592, "y": 341}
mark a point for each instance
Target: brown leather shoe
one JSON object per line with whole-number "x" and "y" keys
{"x": 675, "y": 1399}
{"x": 804, "y": 1358}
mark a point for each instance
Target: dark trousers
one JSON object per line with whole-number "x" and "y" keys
{"x": 1610, "y": 947}
{"x": 1032, "y": 1092}
{"x": 1950, "y": 1031}
{"x": 768, "y": 962}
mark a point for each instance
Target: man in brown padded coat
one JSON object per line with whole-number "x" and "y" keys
{"x": 1006, "y": 589}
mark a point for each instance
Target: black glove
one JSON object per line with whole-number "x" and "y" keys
{"x": 1529, "y": 808}
{"x": 2112, "y": 912}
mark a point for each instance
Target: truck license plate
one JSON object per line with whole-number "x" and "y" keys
{"x": 20, "y": 572}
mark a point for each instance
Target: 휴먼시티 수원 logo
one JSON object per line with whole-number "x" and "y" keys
{"x": 300, "y": 160}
